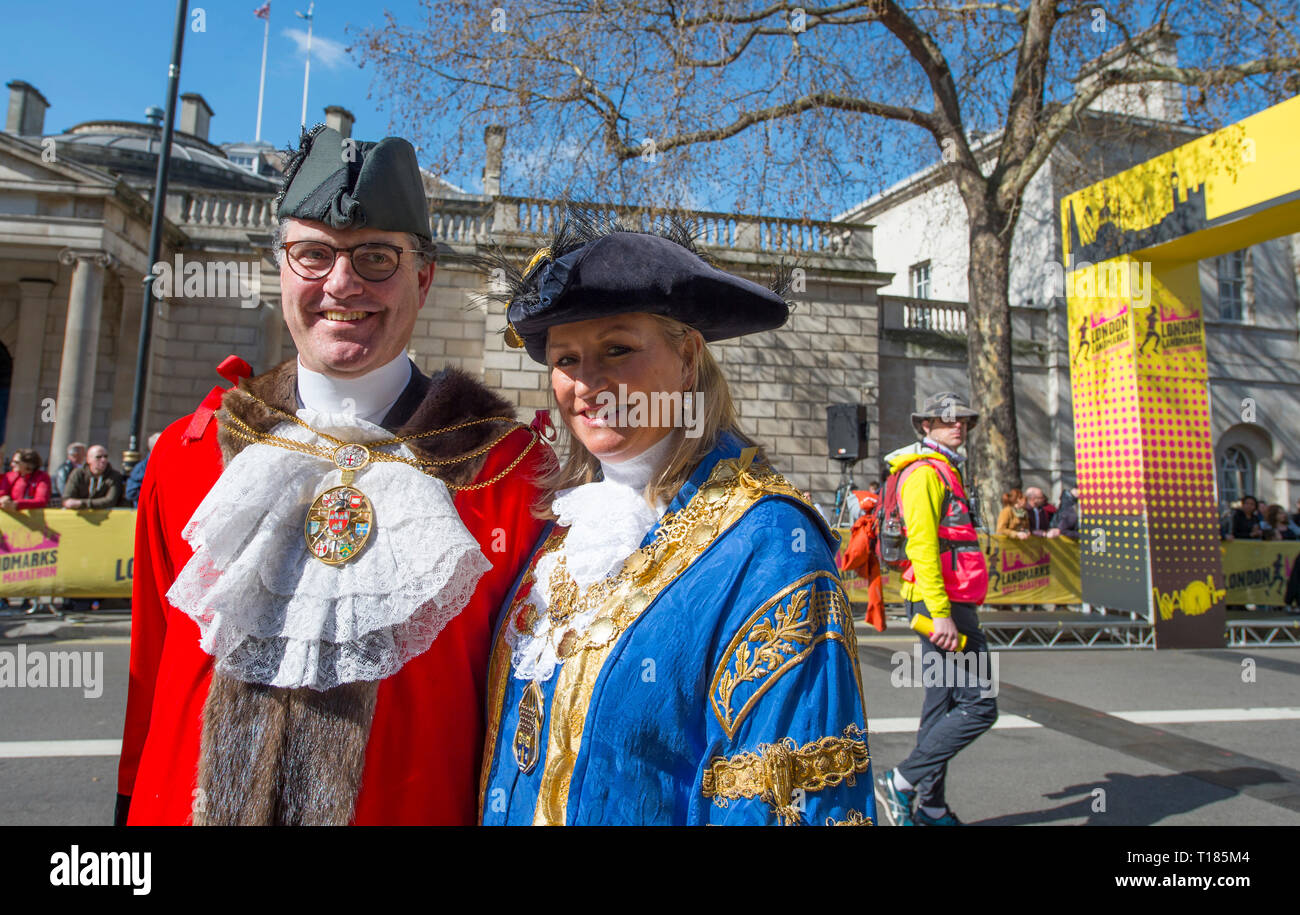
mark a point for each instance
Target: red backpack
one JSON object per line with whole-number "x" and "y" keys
{"x": 860, "y": 558}
{"x": 889, "y": 522}
{"x": 889, "y": 515}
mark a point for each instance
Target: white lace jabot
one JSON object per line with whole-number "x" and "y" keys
{"x": 606, "y": 521}
{"x": 270, "y": 612}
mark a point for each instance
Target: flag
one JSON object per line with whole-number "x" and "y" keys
{"x": 263, "y": 11}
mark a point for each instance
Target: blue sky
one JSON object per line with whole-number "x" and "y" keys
{"x": 97, "y": 60}
{"x": 108, "y": 60}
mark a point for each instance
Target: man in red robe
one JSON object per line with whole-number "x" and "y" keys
{"x": 324, "y": 701}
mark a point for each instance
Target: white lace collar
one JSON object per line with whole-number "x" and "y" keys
{"x": 271, "y": 613}
{"x": 606, "y": 521}
{"x": 368, "y": 397}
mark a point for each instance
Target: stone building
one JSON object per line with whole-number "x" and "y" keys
{"x": 74, "y": 228}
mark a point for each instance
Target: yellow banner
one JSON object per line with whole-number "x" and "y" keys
{"x": 1043, "y": 571}
{"x": 1257, "y": 573}
{"x": 66, "y": 553}
{"x": 1225, "y": 175}
{"x": 89, "y": 554}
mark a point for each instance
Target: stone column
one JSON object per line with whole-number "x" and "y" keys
{"x": 24, "y": 395}
{"x": 80, "y": 347}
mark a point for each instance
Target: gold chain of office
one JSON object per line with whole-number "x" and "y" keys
{"x": 339, "y": 522}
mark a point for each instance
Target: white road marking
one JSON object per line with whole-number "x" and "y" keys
{"x": 1203, "y": 715}
{"x": 38, "y": 749}
{"x": 1151, "y": 716}
{"x": 905, "y": 725}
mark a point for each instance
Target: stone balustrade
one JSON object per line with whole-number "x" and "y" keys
{"x": 900, "y": 313}
{"x": 506, "y": 220}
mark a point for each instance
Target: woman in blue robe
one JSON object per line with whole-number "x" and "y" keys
{"x": 679, "y": 651}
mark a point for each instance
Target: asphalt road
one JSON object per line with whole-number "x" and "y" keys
{"x": 1085, "y": 737}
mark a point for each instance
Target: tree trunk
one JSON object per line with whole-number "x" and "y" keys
{"x": 994, "y": 445}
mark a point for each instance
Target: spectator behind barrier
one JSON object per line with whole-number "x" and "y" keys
{"x": 1065, "y": 522}
{"x": 1039, "y": 512}
{"x": 96, "y": 485}
{"x": 76, "y": 458}
{"x": 1276, "y": 525}
{"x": 136, "y": 479}
{"x": 1014, "y": 518}
{"x": 25, "y": 485}
{"x": 1243, "y": 524}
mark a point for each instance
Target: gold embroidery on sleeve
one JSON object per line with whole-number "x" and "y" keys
{"x": 776, "y": 771}
{"x": 499, "y": 667}
{"x": 852, "y": 818}
{"x": 733, "y": 487}
{"x": 764, "y": 647}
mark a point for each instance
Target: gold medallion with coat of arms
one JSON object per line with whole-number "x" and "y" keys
{"x": 339, "y": 522}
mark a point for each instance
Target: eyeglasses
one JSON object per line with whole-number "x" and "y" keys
{"x": 373, "y": 261}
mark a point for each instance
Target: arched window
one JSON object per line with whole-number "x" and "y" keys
{"x": 1236, "y": 474}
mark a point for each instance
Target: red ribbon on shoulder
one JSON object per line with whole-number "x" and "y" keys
{"x": 232, "y": 368}
{"x": 543, "y": 426}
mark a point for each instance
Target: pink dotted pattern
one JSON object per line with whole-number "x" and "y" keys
{"x": 1144, "y": 460}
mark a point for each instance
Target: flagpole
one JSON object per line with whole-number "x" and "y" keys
{"x": 156, "y": 229}
{"x": 261, "y": 83}
{"x": 306, "y": 75}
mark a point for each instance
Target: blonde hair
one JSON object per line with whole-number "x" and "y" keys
{"x": 715, "y": 409}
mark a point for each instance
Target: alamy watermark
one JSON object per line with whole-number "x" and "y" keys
{"x": 23, "y": 669}
{"x": 75, "y": 867}
{"x": 654, "y": 409}
{"x": 205, "y": 279}
{"x": 1121, "y": 279}
{"x": 951, "y": 669}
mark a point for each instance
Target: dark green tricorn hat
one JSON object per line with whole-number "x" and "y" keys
{"x": 594, "y": 267}
{"x": 348, "y": 184}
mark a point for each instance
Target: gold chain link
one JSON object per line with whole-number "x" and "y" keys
{"x": 242, "y": 430}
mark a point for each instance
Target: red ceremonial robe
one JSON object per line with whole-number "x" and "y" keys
{"x": 426, "y": 738}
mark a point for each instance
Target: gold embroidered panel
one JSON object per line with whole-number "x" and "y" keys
{"x": 733, "y": 487}
{"x": 776, "y": 637}
{"x": 499, "y": 666}
{"x": 776, "y": 771}
{"x": 852, "y": 818}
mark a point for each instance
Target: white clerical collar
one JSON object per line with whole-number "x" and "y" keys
{"x": 635, "y": 473}
{"x": 368, "y": 397}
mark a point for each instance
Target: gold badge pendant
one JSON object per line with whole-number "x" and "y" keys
{"x": 341, "y": 519}
{"x": 528, "y": 733}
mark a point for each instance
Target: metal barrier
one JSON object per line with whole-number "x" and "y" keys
{"x": 1060, "y": 634}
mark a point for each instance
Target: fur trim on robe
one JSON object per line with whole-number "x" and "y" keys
{"x": 275, "y": 756}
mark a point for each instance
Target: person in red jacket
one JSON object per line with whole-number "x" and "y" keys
{"x": 321, "y": 550}
{"x": 25, "y": 485}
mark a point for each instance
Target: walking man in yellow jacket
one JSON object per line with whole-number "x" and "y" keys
{"x": 945, "y": 578}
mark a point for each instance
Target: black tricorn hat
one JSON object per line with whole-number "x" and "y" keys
{"x": 594, "y": 267}
{"x": 348, "y": 184}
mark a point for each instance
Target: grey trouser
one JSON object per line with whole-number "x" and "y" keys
{"x": 952, "y": 716}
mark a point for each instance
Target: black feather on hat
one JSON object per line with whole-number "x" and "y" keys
{"x": 594, "y": 267}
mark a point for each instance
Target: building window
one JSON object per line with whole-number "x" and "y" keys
{"x": 920, "y": 279}
{"x": 245, "y": 162}
{"x": 1236, "y": 475}
{"x": 1232, "y": 286}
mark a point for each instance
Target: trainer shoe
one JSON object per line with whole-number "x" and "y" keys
{"x": 948, "y": 819}
{"x": 897, "y": 804}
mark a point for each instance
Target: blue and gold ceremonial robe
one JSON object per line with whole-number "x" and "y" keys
{"x": 719, "y": 683}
